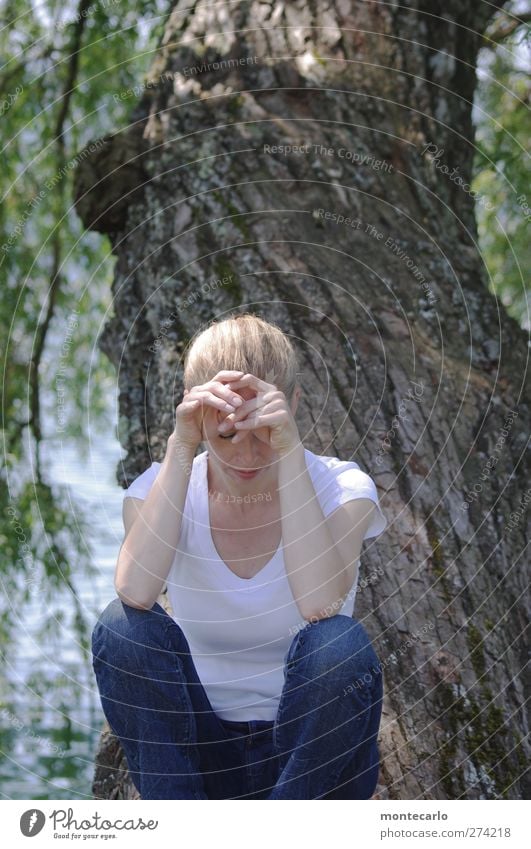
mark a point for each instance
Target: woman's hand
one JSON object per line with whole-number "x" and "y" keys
{"x": 189, "y": 414}
{"x": 268, "y": 408}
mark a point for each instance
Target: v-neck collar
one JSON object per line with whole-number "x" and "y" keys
{"x": 228, "y": 575}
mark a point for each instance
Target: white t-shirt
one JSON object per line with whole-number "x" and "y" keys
{"x": 239, "y": 629}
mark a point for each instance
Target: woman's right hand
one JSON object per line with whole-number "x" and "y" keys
{"x": 189, "y": 413}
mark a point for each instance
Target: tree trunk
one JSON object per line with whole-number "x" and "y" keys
{"x": 406, "y": 356}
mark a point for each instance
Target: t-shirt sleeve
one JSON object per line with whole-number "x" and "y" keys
{"x": 142, "y": 484}
{"x": 345, "y": 482}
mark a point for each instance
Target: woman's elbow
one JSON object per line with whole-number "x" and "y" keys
{"x": 133, "y": 600}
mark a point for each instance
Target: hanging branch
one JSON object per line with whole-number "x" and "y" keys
{"x": 505, "y": 28}
{"x": 55, "y": 278}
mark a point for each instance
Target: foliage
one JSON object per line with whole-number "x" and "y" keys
{"x": 61, "y": 66}
{"x": 502, "y": 160}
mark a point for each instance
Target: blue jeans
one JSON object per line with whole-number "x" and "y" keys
{"x": 321, "y": 745}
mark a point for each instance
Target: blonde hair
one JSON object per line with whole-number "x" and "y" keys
{"x": 244, "y": 342}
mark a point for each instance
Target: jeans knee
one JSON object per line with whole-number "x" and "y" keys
{"x": 337, "y": 643}
{"x": 118, "y": 620}
{"x": 125, "y": 636}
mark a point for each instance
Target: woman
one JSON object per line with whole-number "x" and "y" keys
{"x": 260, "y": 685}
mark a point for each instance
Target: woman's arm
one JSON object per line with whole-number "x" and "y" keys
{"x": 150, "y": 543}
{"x": 318, "y": 574}
{"x": 320, "y": 557}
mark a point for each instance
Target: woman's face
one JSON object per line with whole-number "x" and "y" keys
{"x": 252, "y": 451}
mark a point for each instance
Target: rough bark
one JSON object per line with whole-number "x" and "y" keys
{"x": 412, "y": 378}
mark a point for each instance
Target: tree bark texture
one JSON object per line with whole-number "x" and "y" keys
{"x": 410, "y": 366}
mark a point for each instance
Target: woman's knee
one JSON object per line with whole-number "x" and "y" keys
{"x": 123, "y": 633}
{"x": 119, "y": 619}
{"x": 338, "y": 642}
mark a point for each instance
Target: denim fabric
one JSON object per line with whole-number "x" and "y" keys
{"x": 321, "y": 745}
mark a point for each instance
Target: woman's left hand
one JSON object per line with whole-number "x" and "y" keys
{"x": 268, "y": 408}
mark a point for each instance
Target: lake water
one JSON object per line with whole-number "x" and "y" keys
{"x": 52, "y": 718}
